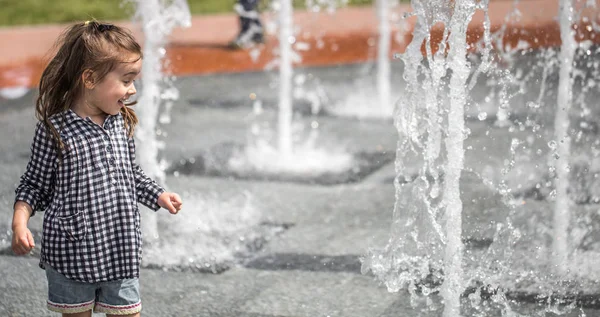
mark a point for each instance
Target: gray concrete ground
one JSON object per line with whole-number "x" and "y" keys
{"x": 312, "y": 267}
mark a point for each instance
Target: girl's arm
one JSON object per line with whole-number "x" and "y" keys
{"x": 21, "y": 214}
{"x": 36, "y": 187}
{"x": 22, "y": 241}
{"x": 147, "y": 189}
{"x": 35, "y": 190}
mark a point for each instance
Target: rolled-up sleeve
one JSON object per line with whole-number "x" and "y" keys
{"x": 147, "y": 189}
{"x": 37, "y": 183}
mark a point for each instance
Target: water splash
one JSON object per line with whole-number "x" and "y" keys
{"x": 453, "y": 270}
{"x": 371, "y": 96}
{"x": 286, "y": 39}
{"x": 157, "y": 18}
{"x": 425, "y": 249}
{"x": 307, "y": 158}
{"x": 560, "y": 163}
{"x": 289, "y": 151}
{"x": 215, "y": 230}
{"x": 383, "y": 59}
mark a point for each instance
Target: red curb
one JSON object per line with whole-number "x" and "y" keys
{"x": 347, "y": 36}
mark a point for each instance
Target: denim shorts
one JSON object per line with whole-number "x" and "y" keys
{"x": 121, "y": 297}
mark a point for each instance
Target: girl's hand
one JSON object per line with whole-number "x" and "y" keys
{"x": 22, "y": 240}
{"x": 170, "y": 201}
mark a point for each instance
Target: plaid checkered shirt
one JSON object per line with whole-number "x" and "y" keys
{"x": 90, "y": 199}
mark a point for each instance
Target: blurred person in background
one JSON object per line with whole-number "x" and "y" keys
{"x": 251, "y": 30}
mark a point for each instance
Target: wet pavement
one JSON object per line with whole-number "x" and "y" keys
{"x": 303, "y": 241}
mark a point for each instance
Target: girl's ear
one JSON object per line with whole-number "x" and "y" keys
{"x": 88, "y": 79}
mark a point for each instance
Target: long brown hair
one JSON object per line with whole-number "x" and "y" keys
{"x": 94, "y": 46}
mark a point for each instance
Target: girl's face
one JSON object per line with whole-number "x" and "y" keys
{"x": 110, "y": 94}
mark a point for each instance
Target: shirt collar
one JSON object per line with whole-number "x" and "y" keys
{"x": 71, "y": 116}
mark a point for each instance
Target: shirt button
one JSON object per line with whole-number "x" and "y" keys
{"x": 106, "y": 137}
{"x": 109, "y": 148}
{"x": 114, "y": 181}
{"x": 111, "y": 161}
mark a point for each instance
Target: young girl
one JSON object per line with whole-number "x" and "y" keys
{"x": 83, "y": 174}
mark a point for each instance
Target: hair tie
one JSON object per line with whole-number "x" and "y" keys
{"x": 87, "y": 22}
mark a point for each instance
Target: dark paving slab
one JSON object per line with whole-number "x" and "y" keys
{"x": 214, "y": 162}
{"x": 307, "y": 262}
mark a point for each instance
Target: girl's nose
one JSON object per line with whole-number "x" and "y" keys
{"x": 132, "y": 90}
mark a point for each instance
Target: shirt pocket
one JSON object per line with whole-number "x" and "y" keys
{"x": 73, "y": 227}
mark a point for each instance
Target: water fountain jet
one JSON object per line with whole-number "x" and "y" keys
{"x": 157, "y": 19}
{"x": 519, "y": 262}
{"x": 294, "y": 157}
{"x": 559, "y": 161}
{"x": 383, "y": 60}
{"x": 286, "y": 38}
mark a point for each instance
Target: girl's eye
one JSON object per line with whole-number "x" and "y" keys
{"x": 127, "y": 82}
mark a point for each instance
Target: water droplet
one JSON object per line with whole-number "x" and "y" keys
{"x": 552, "y": 144}
{"x": 255, "y": 129}
{"x": 482, "y": 116}
{"x": 257, "y": 107}
{"x": 466, "y": 133}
